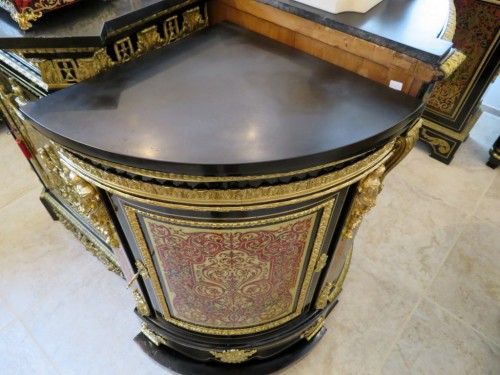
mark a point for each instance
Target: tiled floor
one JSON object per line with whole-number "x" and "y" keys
{"x": 422, "y": 295}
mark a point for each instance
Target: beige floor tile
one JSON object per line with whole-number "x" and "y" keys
{"x": 37, "y": 254}
{"x": 20, "y": 355}
{"x": 362, "y": 327}
{"x": 408, "y": 234}
{"x": 88, "y": 326}
{"x": 436, "y": 343}
{"x": 6, "y": 316}
{"x": 469, "y": 282}
{"x": 474, "y": 151}
{"x": 489, "y": 207}
{"x": 15, "y": 168}
{"x": 460, "y": 184}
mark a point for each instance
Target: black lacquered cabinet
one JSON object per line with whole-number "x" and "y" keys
{"x": 238, "y": 192}
{"x": 224, "y": 176}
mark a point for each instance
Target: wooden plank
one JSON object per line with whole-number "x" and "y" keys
{"x": 375, "y": 62}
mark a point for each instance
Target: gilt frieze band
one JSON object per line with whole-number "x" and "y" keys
{"x": 64, "y": 71}
{"x": 126, "y": 186}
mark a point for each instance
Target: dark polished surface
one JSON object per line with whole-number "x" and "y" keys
{"x": 183, "y": 365}
{"x": 411, "y": 27}
{"x": 84, "y": 24}
{"x": 224, "y": 101}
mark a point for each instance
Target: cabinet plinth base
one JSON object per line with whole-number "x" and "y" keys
{"x": 183, "y": 365}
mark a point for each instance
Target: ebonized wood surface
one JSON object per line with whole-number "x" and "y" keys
{"x": 222, "y": 102}
{"x": 412, "y": 27}
{"x": 84, "y": 24}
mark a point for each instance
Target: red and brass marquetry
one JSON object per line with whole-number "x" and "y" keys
{"x": 231, "y": 278}
{"x": 26, "y": 11}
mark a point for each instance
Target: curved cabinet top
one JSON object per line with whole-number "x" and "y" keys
{"x": 224, "y": 102}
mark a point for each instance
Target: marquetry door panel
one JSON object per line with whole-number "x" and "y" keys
{"x": 233, "y": 275}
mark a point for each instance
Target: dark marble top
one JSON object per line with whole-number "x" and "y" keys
{"x": 84, "y": 24}
{"x": 224, "y": 101}
{"x": 411, "y": 27}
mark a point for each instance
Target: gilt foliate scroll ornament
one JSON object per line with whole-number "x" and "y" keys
{"x": 452, "y": 63}
{"x": 403, "y": 145}
{"x": 233, "y": 355}
{"x": 365, "y": 200}
{"x": 141, "y": 304}
{"x": 193, "y": 21}
{"x": 24, "y": 19}
{"x": 154, "y": 337}
{"x": 95, "y": 247}
{"x": 33, "y": 10}
{"x": 322, "y": 299}
{"x": 118, "y": 184}
{"x": 149, "y": 39}
{"x": 81, "y": 195}
{"x": 313, "y": 330}
{"x": 321, "y": 263}
{"x": 14, "y": 99}
{"x": 89, "y": 67}
{"x": 63, "y": 72}
{"x": 440, "y": 145}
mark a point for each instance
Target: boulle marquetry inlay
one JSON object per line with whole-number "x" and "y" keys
{"x": 231, "y": 278}
{"x": 25, "y": 12}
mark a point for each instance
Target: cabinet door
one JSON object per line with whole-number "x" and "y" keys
{"x": 232, "y": 272}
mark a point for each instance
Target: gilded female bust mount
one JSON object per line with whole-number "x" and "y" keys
{"x": 339, "y": 6}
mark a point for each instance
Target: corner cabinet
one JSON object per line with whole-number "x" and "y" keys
{"x": 238, "y": 204}
{"x": 225, "y": 175}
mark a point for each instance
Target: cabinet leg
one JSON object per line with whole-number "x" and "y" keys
{"x": 494, "y": 160}
{"x": 443, "y": 148}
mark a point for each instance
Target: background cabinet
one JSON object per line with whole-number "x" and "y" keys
{"x": 454, "y": 105}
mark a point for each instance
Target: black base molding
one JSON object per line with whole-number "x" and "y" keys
{"x": 443, "y": 147}
{"x": 174, "y": 361}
